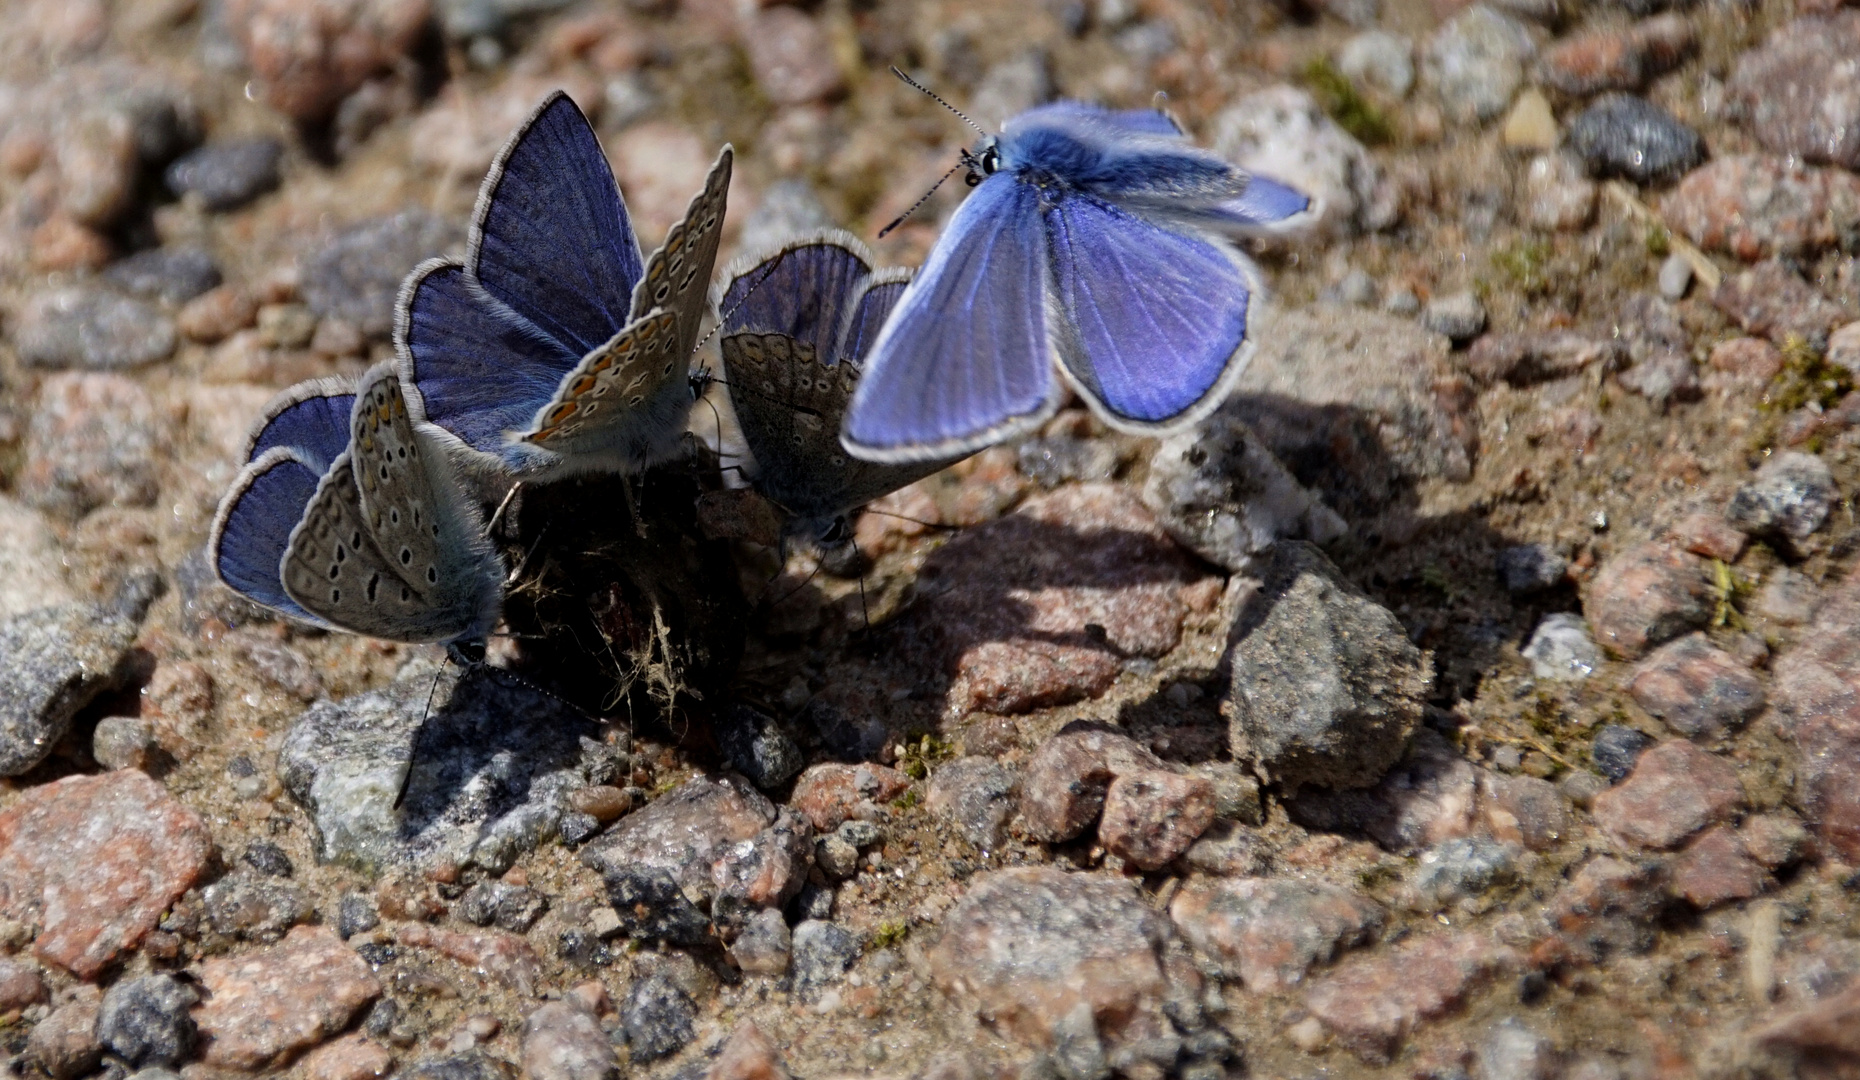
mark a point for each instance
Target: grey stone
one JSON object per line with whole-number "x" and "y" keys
{"x": 822, "y": 953}
{"x": 511, "y": 907}
{"x": 1627, "y": 136}
{"x": 356, "y": 914}
{"x": 659, "y": 1017}
{"x": 764, "y": 945}
{"x": 1789, "y": 496}
{"x": 464, "y": 20}
{"x": 96, "y": 439}
{"x": 763, "y": 872}
{"x": 486, "y": 772}
{"x": 1476, "y": 62}
{"x": 657, "y": 861}
{"x": 1327, "y": 688}
{"x": 563, "y": 1041}
{"x": 124, "y": 742}
{"x": 1220, "y": 492}
{"x": 1380, "y": 61}
{"x": 1799, "y": 93}
{"x": 1358, "y": 288}
{"x": 1615, "y": 750}
{"x": 58, "y": 660}
{"x": 356, "y": 277}
{"x": 1268, "y": 932}
{"x": 578, "y": 828}
{"x": 1464, "y": 866}
{"x": 257, "y": 909}
{"x": 1529, "y": 568}
{"x": 267, "y": 858}
{"x": 756, "y": 746}
{"x": 145, "y": 1021}
{"x": 1459, "y": 316}
{"x": 1667, "y": 375}
{"x": 976, "y": 795}
{"x": 92, "y": 327}
{"x": 1283, "y": 132}
{"x": 1063, "y": 459}
{"x": 1561, "y": 648}
{"x": 1512, "y": 1051}
{"x": 1078, "y": 1053}
{"x": 173, "y": 275}
{"x": 837, "y": 857}
{"x": 814, "y": 902}
{"x": 1675, "y": 276}
{"x": 473, "y": 1064}
{"x": 228, "y": 173}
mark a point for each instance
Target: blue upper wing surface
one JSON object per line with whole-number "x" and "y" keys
{"x": 965, "y": 359}
{"x": 868, "y": 317}
{"x": 1264, "y": 202}
{"x": 1133, "y": 121}
{"x": 480, "y": 372}
{"x": 1155, "y": 318}
{"x": 312, "y": 420}
{"x": 254, "y": 526}
{"x": 552, "y": 238}
{"x": 801, "y": 291}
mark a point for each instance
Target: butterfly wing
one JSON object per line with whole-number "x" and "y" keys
{"x": 623, "y": 407}
{"x": 966, "y": 358}
{"x": 312, "y": 418}
{"x": 870, "y": 308}
{"x": 1132, "y": 121}
{"x": 801, "y": 290}
{"x": 1265, "y": 203}
{"x": 388, "y": 546}
{"x": 677, "y": 276}
{"x": 1156, "y": 320}
{"x": 550, "y": 236}
{"x": 254, "y": 523}
{"x": 471, "y": 365}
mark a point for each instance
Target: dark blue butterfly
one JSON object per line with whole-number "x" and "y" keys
{"x": 554, "y": 348}
{"x": 1094, "y": 242}
{"x": 347, "y": 516}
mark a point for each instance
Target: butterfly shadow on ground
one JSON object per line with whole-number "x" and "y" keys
{"x": 482, "y": 752}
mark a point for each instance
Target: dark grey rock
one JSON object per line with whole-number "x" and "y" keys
{"x": 486, "y": 771}
{"x": 511, "y": 907}
{"x": 228, "y": 173}
{"x": 1789, "y": 496}
{"x": 356, "y": 914}
{"x": 659, "y": 1017}
{"x": 758, "y": 748}
{"x": 1220, "y": 492}
{"x": 815, "y": 901}
{"x": 1529, "y": 568}
{"x": 92, "y": 327}
{"x": 56, "y": 661}
{"x": 822, "y": 952}
{"x": 470, "y": 1065}
{"x": 173, "y": 275}
{"x": 578, "y": 828}
{"x": 847, "y": 738}
{"x": 267, "y": 858}
{"x": 261, "y": 910}
{"x": 1615, "y": 750}
{"x": 146, "y": 1021}
{"x": 763, "y": 872}
{"x": 859, "y": 833}
{"x": 976, "y": 795}
{"x": 1327, "y": 688}
{"x": 356, "y": 278}
{"x": 1627, "y": 136}
{"x": 764, "y": 945}
{"x": 657, "y": 861}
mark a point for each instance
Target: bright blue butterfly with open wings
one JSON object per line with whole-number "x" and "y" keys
{"x": 1097, "y": 242}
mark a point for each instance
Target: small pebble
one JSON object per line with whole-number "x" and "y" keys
{"x": 1615, "y": 750}
{"x": 1626, "y": 136}
{"x": 1675, "y": 276}
{"x": 1561, "y": 648}
{"x": 229, "y": 173}
{"x": 1528, "y": 568}
{"x": 659, "y": 1017}
{"x": 124, "y": 742}
{"x": 268, "y": 859}
{"x": 1790, "y": 496}
{"x": 1459, "y": 316}
{"x": 173, "y": 275}
{"x": 1379, "y": 60}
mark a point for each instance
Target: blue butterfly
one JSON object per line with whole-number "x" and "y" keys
{"x": 348, "y": 516}
{"x": 554, "y": 348}
{"x": 796, "y": 324}
{"x": 1093, "y": 242}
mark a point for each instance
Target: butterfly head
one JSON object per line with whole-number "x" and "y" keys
{"x": 984, "y": 161}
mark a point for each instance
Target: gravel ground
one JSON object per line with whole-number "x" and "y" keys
{"x": 1476, "y": 695}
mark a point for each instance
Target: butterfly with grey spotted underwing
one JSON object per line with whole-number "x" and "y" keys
{"x": 349, "y": 516}
{"x": 795, "y": 325}
{"x": 554, "y": 349}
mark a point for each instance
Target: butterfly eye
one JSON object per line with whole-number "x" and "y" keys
{"x": 991, "y": 160}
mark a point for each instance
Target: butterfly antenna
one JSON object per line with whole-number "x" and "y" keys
{"x": 927, "y": 92}
{"x": 723, "y": 316}
{"x": 525, "y": 561}
{"x": 406, "y": 780}
{"x": 790, "y": 594}
{"x": 926, "y": 195}
{"x": 863, "y": 609}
